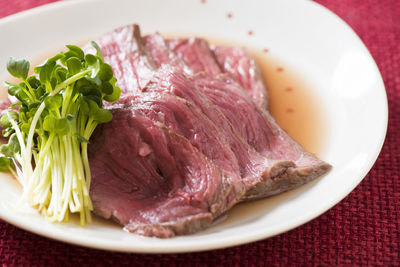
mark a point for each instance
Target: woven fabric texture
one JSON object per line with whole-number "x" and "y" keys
{"x": 363, "y": 229}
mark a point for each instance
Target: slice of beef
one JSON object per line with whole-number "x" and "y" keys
{"x": 246, "y": 118}
{"x": 235, "y": 61}
{"x": 263, "y": 133}
{"x": 151, "y": 180}
{"x": 242, "y": 67}
{"x": 156, "y": 47}
{"x": 132, "y": 67}
{"x": 186, "y": 119}
{"x": 196, "y": 53}
{"x": 254, "y": 124}
{"x": 256, "y": 171}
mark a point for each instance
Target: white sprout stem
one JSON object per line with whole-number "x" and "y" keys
{"x": 67, "y": 183}
{"x": 35, "y": 119}
{"x": 51, "y": 183}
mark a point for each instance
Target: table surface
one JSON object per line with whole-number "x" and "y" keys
{"x": 363, "y": 229}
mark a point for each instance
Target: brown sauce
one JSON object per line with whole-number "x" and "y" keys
{"x": 293, "y": 103}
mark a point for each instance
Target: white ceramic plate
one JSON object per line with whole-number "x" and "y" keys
{"x": 301, "y": 33}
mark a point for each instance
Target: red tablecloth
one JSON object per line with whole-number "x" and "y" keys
{"x": 363, "y": 229}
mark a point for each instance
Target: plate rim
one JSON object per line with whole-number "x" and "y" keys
{"x": 233, "y": 241}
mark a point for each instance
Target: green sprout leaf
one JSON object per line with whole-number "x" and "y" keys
{"x": 18, "y": 68}
{"x": 17, "y": 104}
{"x": 94, "y": 102}
{"x": 40, "y": 92}
{"x": 14, "y": 90}
{"x": 12, "y": 147}
{"x": 105, "y": 72}
{"x": 33, "y": 82}
{"x": 83, "y": 106}
{"x": 56, "y": 125}
{"x": 106, "y": 88}
{"x": 46, "y": 71}
{"x": 5, "y": 164}
{"x": 38, "y": 68}
{"x": 92, "y": 63}
{"x": 76, "y": 51}
{"x": 98, "y": 50}
{"x": 115, "y": 95}
{"x": 7, "y": 132}
{"x": 102, "y": 116}
{"x": 53, "y": 102}
{"x": 74, "y": 65}
{"x": 5, "y": 120}
{"x": 90, "y": 90}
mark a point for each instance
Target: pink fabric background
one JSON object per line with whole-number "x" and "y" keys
{"x": 363, "y": 229}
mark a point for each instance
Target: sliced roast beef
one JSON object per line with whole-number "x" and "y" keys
{"x": 256, "y": 170}
{"x": 253, "y": 124}
{"x": 151, "y": 180}
{"x": 242, "y": 67}
{"x": 256, "y": 126}
{"x": 132, "y": 67}
{"x": 248, "y": 120}
{"x": 187, "y": 120}
{"x": 235, "y": 61}
{"x": 263, "y": 175}
{"x": 261, "y": 131}
{"x": 157, "y": 49}
{"x": 196, "y": 53}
